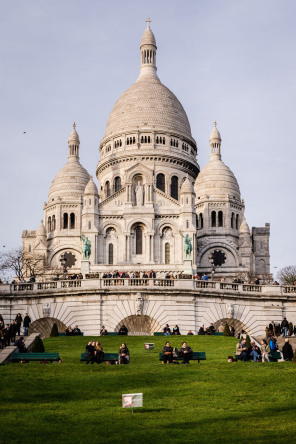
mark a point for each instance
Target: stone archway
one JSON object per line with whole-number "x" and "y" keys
{"x": 139, "y": 325}
{"x": 44, "y": 326}
{"x": 236, "y": 324}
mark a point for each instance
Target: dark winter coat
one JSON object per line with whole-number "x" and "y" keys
{"x": 27, "y": 321}
{"x": 287, "y": 352}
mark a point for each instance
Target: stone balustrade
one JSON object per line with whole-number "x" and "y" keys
{"x": 100, "y": 283}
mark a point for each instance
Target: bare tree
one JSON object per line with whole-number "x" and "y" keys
{"x": 24, "y": 265}
{"x": 287, "y": 275}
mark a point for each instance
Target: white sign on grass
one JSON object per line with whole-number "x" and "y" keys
{"x": 131, "y": 400}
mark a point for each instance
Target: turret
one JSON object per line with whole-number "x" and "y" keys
{"x": 148, "y": 53}
{"x": 73, "y": 143}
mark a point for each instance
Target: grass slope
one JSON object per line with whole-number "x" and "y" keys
{"x": 214, "y": 401}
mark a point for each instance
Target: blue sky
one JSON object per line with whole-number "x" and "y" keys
{"x": 231, "y": 61}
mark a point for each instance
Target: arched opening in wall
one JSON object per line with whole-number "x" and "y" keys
{"x": 220, "y": 219}
{"x": 49, "y": 224}
{"x": 235, "y": 323}
{"x": 139, "y": 240}
{"x": 65, "y": 221}
{"x": 201, "y": 221}
{"x": 167, "y": 253}
{"x": 53, "y": 223}
{"x": 232, "y": 220}
{"x": 213, "y": 219}
{"x": 72, "y": 221}
{"x": 139, "y": 325}
{"x": 107, "y": 189}
{"x": 160, "y": 182}
{"x": 117, "y": 184}
{"x": 44, "y": 325}
{"x": 197, "y": 224}
{"x": 110, "y": 254}
{"x": 237, "y": 222}
{"x": 175, "y": 187}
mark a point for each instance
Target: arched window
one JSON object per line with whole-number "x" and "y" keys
{"x": 53, "y": 223}
{"x": 213, "y": 218}
{"x": 110, "y": 254}
{"x": 65, "y": 220}
{"x": 163, "y": 140}
{"x": 72, "y": 220}
{"x": 187, "y": 223}
{"x": 49, "y": 224}
{"x": 142, "y": 139}
{"x": 197, "y": 225}
{"x": 237, "y": 222}
{"x": 160, "y": 182}
{"x": 127, "y": 142}
{"x": 220, "y": 219}
{"x": 139, "y": 240}
{"x": 148, "y": 139}
{"x": 157, "y": 140}
{"x": 160, "y": 139}
{"x": 117, "y": 184}
{"x": 175, "y": 187}
{"x": 145, "y": 139}
{"x": 134, "y": 140}
{"x": 201, "y": 220}
{"x": 30, "y": 249}
{"x": 89, "y": 201}
{"x": 232, "y": 220}
{"x": 167, "y": 252}
{"x": 89, "y": 225}
{"x": 108, "y": 190}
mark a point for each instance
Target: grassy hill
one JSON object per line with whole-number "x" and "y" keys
{"x": 214, "y": 401}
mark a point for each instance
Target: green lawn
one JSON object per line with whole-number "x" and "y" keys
{"x": 214, "y": 401}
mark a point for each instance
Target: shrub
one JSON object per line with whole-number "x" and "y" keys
{"x": 248, "y": 341}
{"x": 291, "y": 329}
{"x": 54, "y": 331}
{"x": 226, "y": 331}
{"x": 37, "y": 346}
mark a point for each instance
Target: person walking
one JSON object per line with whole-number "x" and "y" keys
{"x": 27, "y": 322}
{"x": 18, "y": 322}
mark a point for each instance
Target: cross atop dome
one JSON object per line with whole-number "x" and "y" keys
{"x": 74, "y": 126}
{"x": 148, "y": 22}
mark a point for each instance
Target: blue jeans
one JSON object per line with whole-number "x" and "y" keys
{"x": 167, "y": 334}
{"x": 26, "y": 331}
{"x": 255, "y": 355}
{"x": 285, "y": 331}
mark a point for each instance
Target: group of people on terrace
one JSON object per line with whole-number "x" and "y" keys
{"x": 10, "y": 330}
{"x": 284, "y": 328}
{"x": 262, "y": 354}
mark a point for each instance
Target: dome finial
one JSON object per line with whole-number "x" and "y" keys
{"x": 148, "y": 54}
{"x": 73, "y": 143}
{"x": 74, "y": 126}
{"x": 215, "y": 123}
{"x": 148, "y": 22}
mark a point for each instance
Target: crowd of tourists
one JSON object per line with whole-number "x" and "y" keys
{"x": 9, "y": 331}
{"x": 284, "y": 328}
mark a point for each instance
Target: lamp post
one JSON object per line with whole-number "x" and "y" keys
{"x": 211, "y": 259}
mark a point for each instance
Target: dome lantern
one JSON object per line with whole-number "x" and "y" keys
{"x": 73, "y": 143}
{"x": 148, "y": 53}
{"x": 215, "y": 142}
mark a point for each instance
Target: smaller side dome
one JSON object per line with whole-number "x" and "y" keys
{"x": 215, "y": 135}
{"x": 91, "y": 187}
{"x": 41, "y": 231}
{"x": 186, "y": 186}
{"x": 244, "y": 228}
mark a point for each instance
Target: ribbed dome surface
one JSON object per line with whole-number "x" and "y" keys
{"x": 70, "y": 182}
{"x": 148, "y": 102}
{"x": 216, "y": 180}
{"x": 244, "y": 228}
{"x": 148, "y": 38}
{"x": 41, "y": 231}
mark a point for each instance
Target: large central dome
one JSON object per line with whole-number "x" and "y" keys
{"x": 148, "y": 102}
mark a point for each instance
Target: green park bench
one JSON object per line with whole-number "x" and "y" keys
{"x": 218, "y": 334}
{"x": 158, "y": 333}
{"x": 112, "y": 333}
{"x": 64, "y": 334}
{"x": 107, "y": 357}
{"x": 17, "y": 357}
{"x": 196, "y": 356}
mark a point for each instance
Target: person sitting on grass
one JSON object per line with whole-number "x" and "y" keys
{"x": 176, "y": 330}
{"x": 189, "y": 333}
{"x": 77, "y": 331}
{"x": 123, "y": 354}
{"x": 201, "y": 331}
{"x": 264, "y": 350}
{"x": 123, "y": 330}
{"x": 69, "y": 331}
{"x": 254, "y": 351}
{"x": 287, "y": 351}
{"x": 185, "y": 352}
{"x": 90, "y": 352}
{"x": 99, "y": 353}
{"x": 212, "y": 328}
{"x": 242, "y": 350}
{"x": 167, "y": 355}
{"x": 167, "y": 330}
